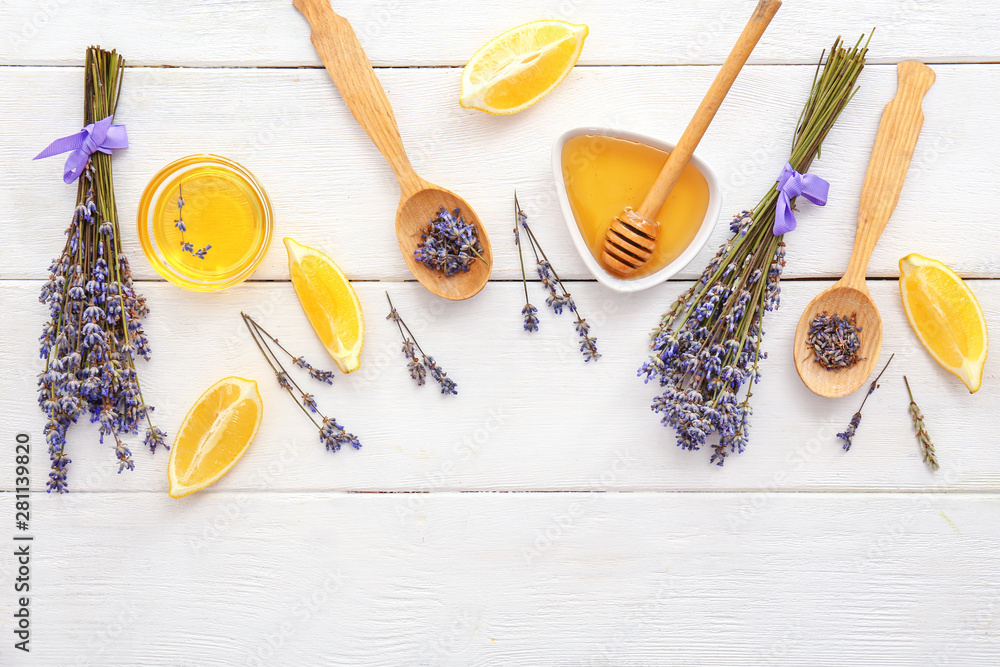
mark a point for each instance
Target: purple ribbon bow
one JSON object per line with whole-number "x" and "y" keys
{"x": 100, "y": 136}
{"x": 792, "y": 184}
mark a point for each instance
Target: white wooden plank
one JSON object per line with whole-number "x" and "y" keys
{"x": 460, "y": 579}
{"x": 637, "y": 552}
{"x": 262, "y": 32}
{"x": 331, "y": 188}
{"x": 530, "y": 415}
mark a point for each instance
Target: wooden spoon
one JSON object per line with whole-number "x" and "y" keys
{"x": 890, "y": 159}
{"x": 631, "y": 239}
{"x": 419, "y": 200}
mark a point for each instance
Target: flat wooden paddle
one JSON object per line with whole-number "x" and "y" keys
{"x": 897, "y": 137}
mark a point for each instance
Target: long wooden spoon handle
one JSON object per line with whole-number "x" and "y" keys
{"x": 897, "y": 135}
{"x": 339, "y": 49}
{"x": 682, "y": 152}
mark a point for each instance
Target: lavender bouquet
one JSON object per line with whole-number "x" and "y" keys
{"x": 95, "y": 332}
{"x": 708, "y": 345}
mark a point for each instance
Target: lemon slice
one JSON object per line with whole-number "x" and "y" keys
{"x": 946, "y": 317}
{"x": 330, "y": 303}
{"x": 521, "y": 66}
{"x": 216, "y": 431}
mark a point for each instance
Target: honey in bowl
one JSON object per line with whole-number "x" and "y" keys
{"x": 605, "y": 174}
{"x": 223, "y": 207}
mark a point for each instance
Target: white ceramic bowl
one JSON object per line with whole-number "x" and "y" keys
{"x": 689, "y": 253}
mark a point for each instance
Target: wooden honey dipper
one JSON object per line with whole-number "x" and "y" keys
{"x": 631, "y": 239}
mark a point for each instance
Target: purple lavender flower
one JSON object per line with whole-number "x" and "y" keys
{"x": 417, "y": 370}
{"x": 57, "y": 476}
{"x": 321, "y": 375}
{"x": 155, "y": 438}
{"x": 449, "y": 244}
{"x": 848, "y": 435}
{"x": 558, "y": 297}
{"x": 588, "y": 346}
{"x": 331, "y": 434}
{"x": 283, "y": 380}
{"x": 179, "y": 224}
{"x": 556, "y": 302}
{"x": 530, "y": 317}
{"x": 447, "y": 384}
{"x": 835, "y": 340}
{"x": 740, "y": 224}
{"x": 419, "y": 367}
{"x": 314, "y": 373}
{"x": 707, "y": 346}
{"x": 124, "y": 457}
{"x": 529, "y": 312}
{"x": 92, "y": 338}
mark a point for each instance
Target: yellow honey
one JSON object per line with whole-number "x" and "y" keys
{"x": 603, "y": 175}
{"x": 224, "y": 207}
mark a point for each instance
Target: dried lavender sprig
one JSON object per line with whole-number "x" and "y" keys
{"x": 314, "y": 373}
{"x": 179, "y": 224}
{"x": 559, "y": 297}
{"x": 331, "y": 434}
{"x": 419, "y": 367}
{"x": 529, "y": 312}
{"x": 280, "y": 374}
{"x": 926, "y": 446}
{"x": 848, "y": 435}
{"x": 417, "y": 370}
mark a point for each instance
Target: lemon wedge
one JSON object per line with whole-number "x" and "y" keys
{"x": 521, "y": 66}
{"x": 946, "y": 317}
{"x": 214, "y": 435}
{"x": 330, "y": 303}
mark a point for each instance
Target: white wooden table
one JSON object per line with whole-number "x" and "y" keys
{"x": 543, "y": 515}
